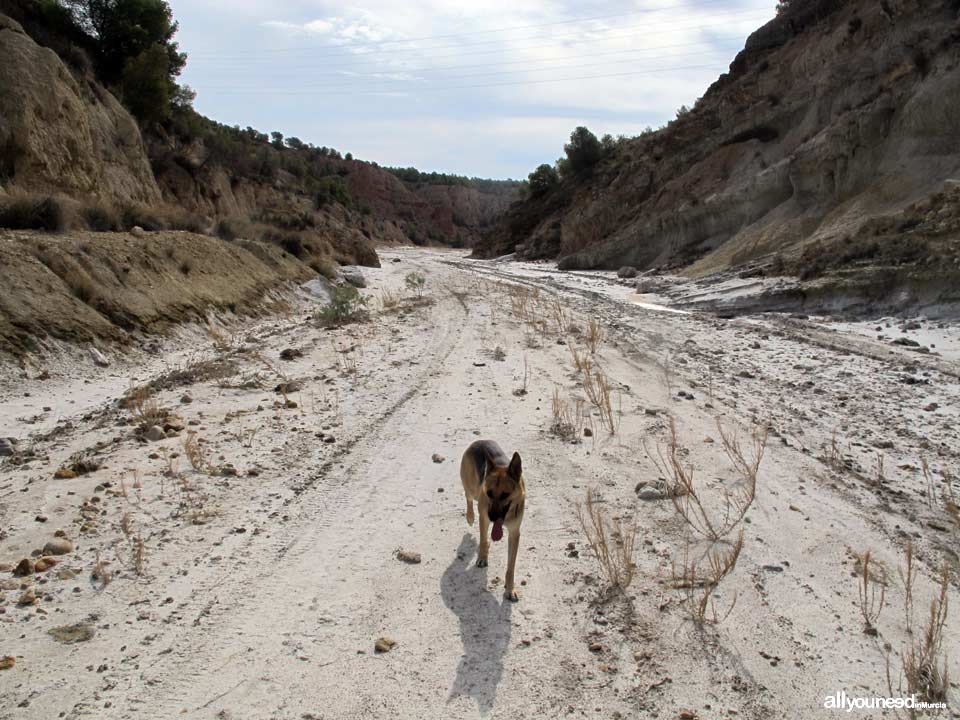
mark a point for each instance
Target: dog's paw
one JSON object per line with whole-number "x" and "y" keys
{"x": 481, "y": 562}
{"x": 511, "y": 595}
{"x": 470, "y": 519}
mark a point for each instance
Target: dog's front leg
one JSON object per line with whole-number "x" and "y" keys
{"x": 514, "y": 546}
{"x": 484, "y": 541}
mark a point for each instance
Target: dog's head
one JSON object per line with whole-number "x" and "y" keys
{"x": 502, "y": 486}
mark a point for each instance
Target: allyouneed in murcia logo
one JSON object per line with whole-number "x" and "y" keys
{"x": 842, "y": 701}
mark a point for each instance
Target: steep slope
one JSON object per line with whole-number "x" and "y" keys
{"x": 837, "y": 112}
{"x": 64, "y": 133}
{"x": 226, "y": 172}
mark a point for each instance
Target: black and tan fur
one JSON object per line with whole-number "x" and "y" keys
{"x": 496, "y": 484}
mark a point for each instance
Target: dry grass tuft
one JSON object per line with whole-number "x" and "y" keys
{"x": 566, "y": 418}
{"x": 145, "y": 410}
{"x": 699, "y": 578}
{"x": 594, "y": 335}
{"x": 582, "y": 361}
{"x": 389, "y": 300}
{"x": 924, "y": 660}
{"x": 196, "y": 453}
{"x": 598, "y": 390}
{"x": 611, "y": 541}
{"x": 686, "y": 494}
{"x": 872, "y": 591}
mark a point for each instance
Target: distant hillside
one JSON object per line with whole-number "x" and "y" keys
{"x": 825, "y": 149}
{"x": 89, "y": 116}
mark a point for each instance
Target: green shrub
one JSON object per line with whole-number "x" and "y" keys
{"x": 583, "y": 151}
{"x": 31, "y": 212}
{"x": 542, "y": 180}
{"x": 347, "y": 305}
{"x": 416, "y": 283}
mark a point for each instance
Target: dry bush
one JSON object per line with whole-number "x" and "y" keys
{"x": 197, "y": 455}
{"x": 832, "y": 456}
{"x": 389, "y": 300}
{"x": 522, "y": 390}
{"x": 519, "y": 302}
{"x": 950, "y": 502}
{"x": 582, "y": 362}
{"x": 100, "y": 217}
{"x": 612, "y": 542}
{"x": 222, "y": 342}
{"x": 598, "y": 390}
{"x": 561, "y": 317}
{"x": 101, "y": 573}
{"x": 565, "y": 424}
{"x": 923, "y": 659}
{"x": 594, "y": 335}
{"x": 871, "y": 599}
{"x": 145, "y": 410}
{"x": 23, "y": 211}
{"x": 698, "y": 579}
{"x": 685, "y": 494}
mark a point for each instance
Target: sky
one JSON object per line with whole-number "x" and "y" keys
{"x": 483, "y": 89}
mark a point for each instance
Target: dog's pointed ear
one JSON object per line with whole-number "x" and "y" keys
{"x": 515, "y": 470}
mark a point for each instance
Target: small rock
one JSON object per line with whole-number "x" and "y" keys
{"x": 627, "y": 272}
{"x": 186, "y": 399}
{"x": 29, "y": 597}
{"x": 58, "y": 546}
{"x": 173, "y": 423}
{"x": 291, "y": 354}
{"x": 99, "y": 359}
{"x": 596, "y": 647}
{"x": 138, "y": 231}
{"x": 7, "y": 662}
{"x": 650, "y": 493}
{"x": 155, "y": 433}
{"x": 396, "y": 260}
{"x": 41, "y": 518}
{"x": 65, "y": 474}
{"x": 384, "y": 644}
{"x": 411, "y": 558}
{"x": 44, "y": 564}
{"x": 8, "y": 446}
{"x": 353, "y": 276}
{"x": 438, "y": 458}
{"x": 932, "y": 407}
{"x": 24, "y": 568}
{"x": 329, "y": 439}
{"x": 587, "y": 432}
{"x": 78, "y": 632}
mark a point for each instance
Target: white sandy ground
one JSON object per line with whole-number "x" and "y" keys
{"x": 270, "y": 608}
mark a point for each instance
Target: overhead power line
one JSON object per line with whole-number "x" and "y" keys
{"x": 408, "y": 91}
{"x": 352, "y": 82}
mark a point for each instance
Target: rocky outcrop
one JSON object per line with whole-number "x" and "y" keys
{"x": 62, "y": 134}
{"x": 836, "y": 112}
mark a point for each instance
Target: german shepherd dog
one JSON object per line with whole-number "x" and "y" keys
{"x": 497, "y": 486}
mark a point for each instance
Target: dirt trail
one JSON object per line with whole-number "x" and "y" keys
{"x": 262, "y": 593}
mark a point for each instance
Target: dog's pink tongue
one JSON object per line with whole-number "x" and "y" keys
{"x": 497, "y": 530}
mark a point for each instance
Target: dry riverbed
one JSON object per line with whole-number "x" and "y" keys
{"x": 290, "y": 541}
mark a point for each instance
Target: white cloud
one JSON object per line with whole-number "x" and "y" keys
{"x": 436, "y": 80}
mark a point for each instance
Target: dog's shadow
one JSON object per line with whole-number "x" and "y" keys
{"x": 484, "y": 626}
